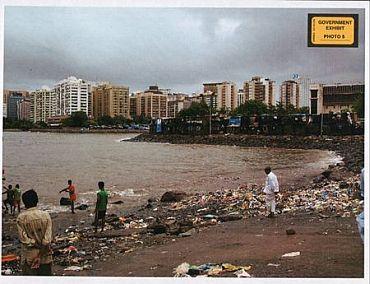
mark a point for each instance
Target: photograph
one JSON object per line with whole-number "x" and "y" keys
{"x": 177, "y": 139}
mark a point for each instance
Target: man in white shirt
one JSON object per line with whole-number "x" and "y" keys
{"x": 271, "y": 188}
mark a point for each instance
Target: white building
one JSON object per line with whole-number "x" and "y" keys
{"x": 72, "y": 95}
{"x": 241, "y": 97}
{"x": 304, "y": 91}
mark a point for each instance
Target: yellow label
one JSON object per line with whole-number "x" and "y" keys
{"x": 333, "y": 30}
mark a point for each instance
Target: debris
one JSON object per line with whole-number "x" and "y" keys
{"x": 182, "y": 269}
{"x": 290, "y": 231}
{"x": 291, "y": 254}
{"x": 9, "y": 258}
{"x": 273, "y": 264}
{"x": 242, "y": 273}
{"x": 173, "y": 196}
{"x": 73, "y": 268}
{"x": 82, "y": 207}
{"x": 64, "y": 201}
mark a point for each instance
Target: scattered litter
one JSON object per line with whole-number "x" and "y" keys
{"x": 242, "y": 273}
{"x": 273, "y": 264}
{"x": 291, "y": 254}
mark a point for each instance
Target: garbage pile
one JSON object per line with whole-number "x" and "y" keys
{"x": 10, "y": 264}
{"x": 158, "y": 222}
{"x": 211, "y": 270}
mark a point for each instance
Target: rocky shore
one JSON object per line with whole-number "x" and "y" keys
{"x": 225, "y": 229}
{"x": 351, "y": 148}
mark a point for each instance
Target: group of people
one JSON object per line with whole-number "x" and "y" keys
{"x": 13, "y": 198}
{"x": 35, "y": 228}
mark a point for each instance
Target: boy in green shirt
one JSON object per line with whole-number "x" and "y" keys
{"x": 101, "y": 206}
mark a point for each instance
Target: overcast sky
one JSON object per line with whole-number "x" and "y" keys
{"x": 174, "y": 48}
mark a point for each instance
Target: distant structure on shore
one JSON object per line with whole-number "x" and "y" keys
{"x": 107, "y": 99}
{"x": 334, "y": 97}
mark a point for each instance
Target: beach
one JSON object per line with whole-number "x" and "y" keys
{"x": 223, "y": 226}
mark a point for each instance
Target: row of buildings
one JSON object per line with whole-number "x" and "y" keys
{"x": 105, "y": 99}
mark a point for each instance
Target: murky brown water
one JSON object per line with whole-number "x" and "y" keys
{"x": 136, "y": 171}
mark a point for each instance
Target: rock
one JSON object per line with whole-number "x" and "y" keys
{"x": 188, "y": 233}
{"x": 230, "y": 217}
{"x": 343, "y": 184}
{"x": 152, "y": 200}
{"x": 173, "y": 196}
{"x": 82, "y": 207}
{"x": 290, "y": 231}
{"x": 327, "y": 173}
{"x": 319, "y": 179}
{"x": 64, "y": 201}
{"x": 117, "y": 202}
{"x": 157, "y": 228}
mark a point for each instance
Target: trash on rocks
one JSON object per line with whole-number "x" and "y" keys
{"x": 82, "y": 207}
{"x": 182, "y": 269}
{"x": 242, "y": 273}
{"x": 273, "y": 264}
{"x": 210, "y": 269}
{"x": 64, "y": 201}
{"x": 73, "y": 268}
{"x": 173, "y": 196}
{"x": 291, "y": 254}
{"x": 9, "y": 258}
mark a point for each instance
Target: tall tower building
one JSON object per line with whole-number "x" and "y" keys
{"x": 152, "y": 103}
{"x": 226, "y": 94}
{"x": 42, "y": 105}
{"x": 260, "y": 89}
{"x": 304, "y": 91}
{"x": 111, "y": 100}
{"x": 289, "y": 93}
{"x": 72, "y": 95}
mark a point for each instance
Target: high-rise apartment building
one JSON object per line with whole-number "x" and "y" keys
{"x": 23, "y": 107}
{"x": 241, "y": 97}
{"x": 111, "y": 100}
{"x": 260, "y": 89}
{"x": 334, "y": 98}
{"x": 225, "y": 93}
{"x": 304, "y": 91}
{"x": 13, "y": 106}
{"x": 7, "y": 94}
{"x": 43, "y": 104}
{"x": 176, "y": 103}
{"x": 289, "y": 93}
{"x": 152, "y": 103}
{"x": 72, "y": 95}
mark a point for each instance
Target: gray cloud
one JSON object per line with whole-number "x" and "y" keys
{"x": 175, "y": 48}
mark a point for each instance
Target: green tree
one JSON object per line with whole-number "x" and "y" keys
{"x": 105, "y": 120}
{"x": 77, "y": 119}
{"x": 250, "y": 108}
{"x": 195, "y": 109}
{"x": 359, "y": 105}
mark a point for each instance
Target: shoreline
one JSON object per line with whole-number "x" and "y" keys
{"x": 78, "y": 130}
{"x": 350, "y": 148}
{"x": 134, "y": 239}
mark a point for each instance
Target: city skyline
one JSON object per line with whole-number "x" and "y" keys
{"x": 173, "y": 48}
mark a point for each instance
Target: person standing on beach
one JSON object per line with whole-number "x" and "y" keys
{"x": 35, "y": 234}
{"x": 17, "y": 198}
{"x": 101, "y": 206}
{"x": 72, "y": 194}
{"x": 9, "y": 199}
{"x": 271, "y": 188}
